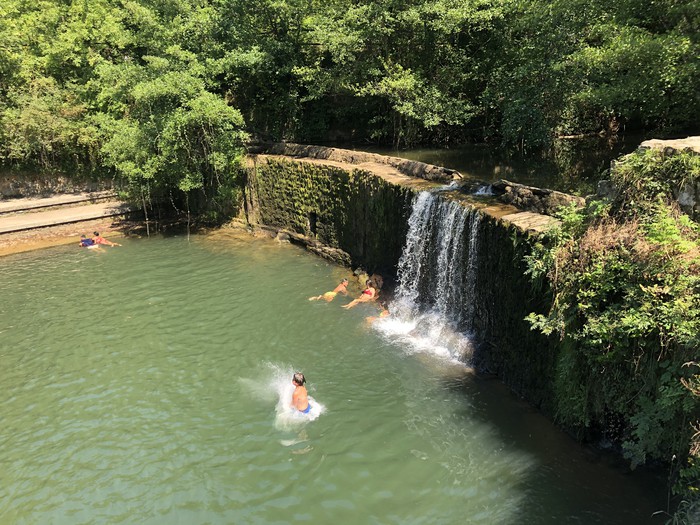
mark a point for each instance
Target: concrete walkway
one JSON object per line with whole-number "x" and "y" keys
{"x": 18, "y": 205}
{"x": 26, "y": 214}
{"x": 28, "y": 221}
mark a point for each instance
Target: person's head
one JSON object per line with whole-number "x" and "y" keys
{"x": 96, "y": 234}
{"x": 83, "y": 236}
{"x": 344, "y": 281}
{"x": 384, "y": 305}
{"x": 299, "y": 379}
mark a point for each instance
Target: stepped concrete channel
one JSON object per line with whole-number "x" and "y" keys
{"x": 31, "y": 223}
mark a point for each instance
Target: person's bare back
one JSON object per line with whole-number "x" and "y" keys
{"x": 300, "y": 397}
{"x": 368, "y": 294}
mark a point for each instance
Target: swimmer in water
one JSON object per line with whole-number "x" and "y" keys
{"x": 329, "y": 296}
{"x": 368, "y": 294}
{"x": 300, "y": 398}
{"x": 98, "y": 239}
{"x": 384, "y": 313}
{"x": 90, "y": 244}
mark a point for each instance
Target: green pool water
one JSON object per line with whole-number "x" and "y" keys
{"x": 149, "y": 384}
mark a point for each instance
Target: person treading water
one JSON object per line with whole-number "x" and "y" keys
{"x": 300, "y": 397}
{"x": 368, "y": 294}
{"x": 329, "y": 296}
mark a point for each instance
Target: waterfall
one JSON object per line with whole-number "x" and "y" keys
{"x": 433, "y": 308}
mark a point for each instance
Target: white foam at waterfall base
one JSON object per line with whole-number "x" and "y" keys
{"x": 426, "y": 333}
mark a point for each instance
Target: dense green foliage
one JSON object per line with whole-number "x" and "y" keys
{"x": 625, "y": 281}
{"x": 103, "y": 86}
{"x": 138, "y": 85}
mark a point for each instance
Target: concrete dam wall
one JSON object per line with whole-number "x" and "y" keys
{"x": 355, "y": 209}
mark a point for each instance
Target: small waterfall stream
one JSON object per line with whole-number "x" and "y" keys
{"x": 433, "y": 308}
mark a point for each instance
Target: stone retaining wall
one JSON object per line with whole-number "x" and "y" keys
{"x": 688, "y": 194}
{"x": 403, "y": 166}
{"x": 22, "y": 185}
{"x": 346, "y": 214}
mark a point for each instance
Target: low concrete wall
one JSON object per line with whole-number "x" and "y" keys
{"x": 18, "y": 185}
{"x": 403, "y": 166}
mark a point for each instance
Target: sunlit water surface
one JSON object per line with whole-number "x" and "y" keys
{"x": 150, "y": 384}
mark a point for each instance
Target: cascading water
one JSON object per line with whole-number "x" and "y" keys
{"x": 433, "y": 308}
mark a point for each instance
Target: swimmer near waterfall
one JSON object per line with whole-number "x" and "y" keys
{"x": 300, "y": 398}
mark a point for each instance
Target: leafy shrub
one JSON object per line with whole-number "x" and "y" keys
{"x": 624, "y": 278}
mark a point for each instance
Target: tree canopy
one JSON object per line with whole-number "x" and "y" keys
{"x": 80, "y": 79}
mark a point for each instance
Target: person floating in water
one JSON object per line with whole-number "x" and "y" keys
{"x": 300, "y": 397}
{"x": 329, "y": 296}
{"x": 384, "y": 312}
{"x": 101, "y": 240}
{"x": 368, "y": 294}
{"x": 86, "y": 242}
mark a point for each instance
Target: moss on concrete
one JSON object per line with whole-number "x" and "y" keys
{"x": 353, "y": 209}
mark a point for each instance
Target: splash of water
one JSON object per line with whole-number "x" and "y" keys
{"x": 287, "y": 417}
{"x": 276, "y": 386}
{"x": 484, "y": 191}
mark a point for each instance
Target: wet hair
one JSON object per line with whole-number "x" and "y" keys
{"x": 344, "y": 280}
{"x": 299, "y": 378}
{"x": 96, "y": 234}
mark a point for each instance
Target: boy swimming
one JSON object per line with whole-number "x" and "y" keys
{"x": 300, "y": 397}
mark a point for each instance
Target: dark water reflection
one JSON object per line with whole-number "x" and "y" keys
{"x": 573, "y": 165}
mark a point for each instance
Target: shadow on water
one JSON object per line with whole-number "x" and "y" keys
{"x": 594, "y": 486}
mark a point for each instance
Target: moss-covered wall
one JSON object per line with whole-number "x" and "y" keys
{"x": 350, "y": 209}
{"x": 524, "y": 359}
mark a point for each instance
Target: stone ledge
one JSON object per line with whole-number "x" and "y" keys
{"x": 384, "y": 171}
{"x": 524, "y": 207}
{"x": 690, "y": 144}
{"x": 406, "y": 167}
{"x": 533, "y": 199}
{"x": 531, "y": 222}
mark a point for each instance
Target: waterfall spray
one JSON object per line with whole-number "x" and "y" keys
{"x": 433, "y": 304}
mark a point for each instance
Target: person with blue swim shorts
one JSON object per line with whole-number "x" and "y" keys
{"x": 90, "y": 244}
{"x": 300, "y": 397}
